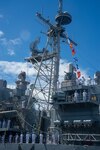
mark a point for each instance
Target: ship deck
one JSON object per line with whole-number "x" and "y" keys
{"x": 13, "y": 146}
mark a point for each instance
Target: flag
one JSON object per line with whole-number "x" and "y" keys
{"x": 73, "y": 52}
{"x": 78, "y": 74}
{"x": 77, "y": 66}
{"x": 71, "y": 45}
{"x": 74, "y": 68}
{"x": 75, "y": 59}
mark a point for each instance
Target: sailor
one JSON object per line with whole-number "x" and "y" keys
{"x": 8, "y": 123}
{"x": 84, "y": 95}
{"x": 10, "y": 138}
{"x": 48, "y": 140}
{"x": 76, "y": 96}
{"x": 57, "y": 137}
{"x": 4, "y": 124}
{"x": 53, "y": 139}
{"x": 3, "y": 139}
{"x": 21, "y": 138}
{"x": 89, "y": 80}
{"x": 41, "y": 138}
{"x": 27, "y": 137}
{"x": 33, "y": 137}
{"x": 95, "y": 79}
{"x": 16, "y": 138}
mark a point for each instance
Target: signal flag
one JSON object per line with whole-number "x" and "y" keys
{"x": 71, "y": 45}
{"x": 78, "y": 74}
{"x": 73, "y": 52}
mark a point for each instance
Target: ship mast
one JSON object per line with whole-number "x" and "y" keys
{"x": 56, "y": 32}
{"x": 51, "y": 75}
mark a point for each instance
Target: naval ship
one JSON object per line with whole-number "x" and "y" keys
{"x": 67, "y": 116}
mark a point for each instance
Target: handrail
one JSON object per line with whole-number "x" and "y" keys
{"x": 80, "y": 137}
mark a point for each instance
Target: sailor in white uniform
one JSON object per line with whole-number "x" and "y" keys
{"x": 76, "y": 96}
{"x": 21, "y": 138}
{"x": 10, "y": 138}
{"x": 16, "y": 138}
{"x": 84, "y": 95}
{"x": 27, "y": 137}
{"x": 33, "y": 137}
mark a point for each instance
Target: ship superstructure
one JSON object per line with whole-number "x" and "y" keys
{"x": 73, "y": 108}
{"x": 77, "y": 108}
{"x": 14, "y": 117}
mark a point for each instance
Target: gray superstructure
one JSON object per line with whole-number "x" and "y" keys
{"x": 77, "y": 108}
{"x": 70, "y": 114}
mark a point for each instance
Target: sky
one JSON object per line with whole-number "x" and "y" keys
{"x": 19, "y": 26}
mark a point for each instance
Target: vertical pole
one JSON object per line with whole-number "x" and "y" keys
{"x": 60, "y": 6}
{"x": 57, "y": 59}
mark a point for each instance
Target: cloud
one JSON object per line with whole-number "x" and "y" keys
{"x": 16, "y": 41}
{"x": 14, "y": 68}
{"x": 10, "y": 44}
{"x": 1, "y": 33}
{"x": 11, "y": 52}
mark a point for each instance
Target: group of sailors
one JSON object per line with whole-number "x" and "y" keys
{"x": 29, "y": 138}
{"x": 77, "y": 96}
{"x": 5, "y": 123}
{"x": 87, "y": 81}
{"x": 25, "y": 137}
{"x": 83, "y": 97}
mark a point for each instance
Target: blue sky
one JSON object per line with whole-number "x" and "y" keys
{"x": 19, "y": 27}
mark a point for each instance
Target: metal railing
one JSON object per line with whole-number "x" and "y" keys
{"x": 79, "y": 137}
{"x": 89, "y": 98}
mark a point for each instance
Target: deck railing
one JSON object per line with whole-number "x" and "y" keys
{"x": 79, "y": 137}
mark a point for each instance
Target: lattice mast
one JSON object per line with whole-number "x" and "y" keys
{"x": 54, "y": 34}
